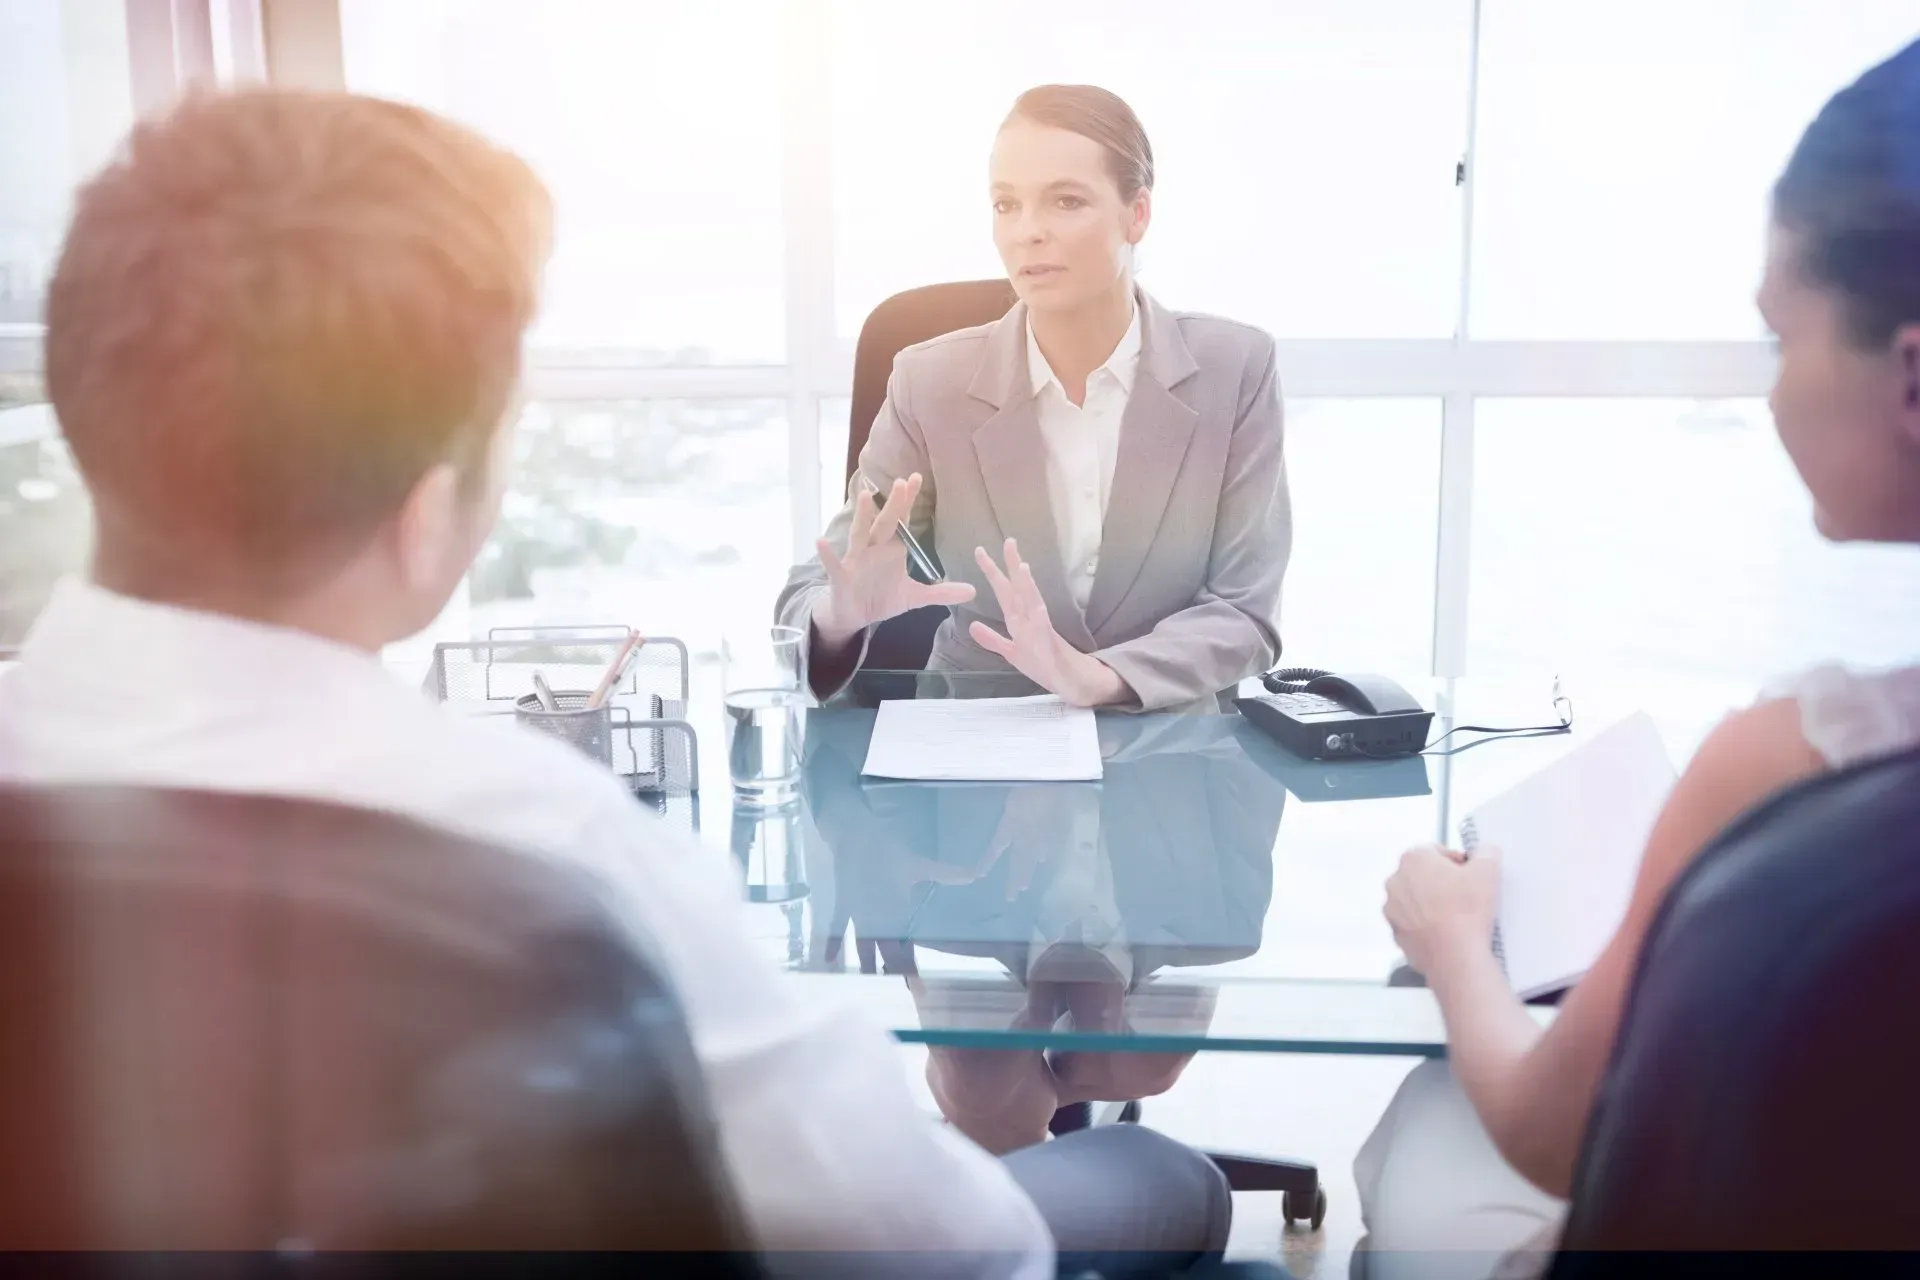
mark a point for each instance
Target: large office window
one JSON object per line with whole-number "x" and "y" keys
{"x": 657, "y": 127}
{"x": 1304, "y": 151}
{"x": 668, "y": 514}
{"x": 1359, "y": 586}
{"x": 834, "y": 425}
{"x": 1508, "y": 248}
{"x": 1670, "y": 540}
{"x": 1310, "y": 180}
{"x": 65, "y": 102}
{"x": 1625, "y": 151}
{"x": 45, "y": 521}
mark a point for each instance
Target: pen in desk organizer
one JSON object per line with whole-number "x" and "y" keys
{"x": 915, "y": 552}
{"x": 540, "y": 690}
{"x": 616, "y": 669}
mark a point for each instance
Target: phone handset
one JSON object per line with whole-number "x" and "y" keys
{"x": 1288, "y": 679}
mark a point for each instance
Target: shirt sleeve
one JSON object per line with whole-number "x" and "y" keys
{"x": 1848, "y": 716}
{"x": 826, "y": 1146}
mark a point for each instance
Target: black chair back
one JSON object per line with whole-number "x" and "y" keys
{"x": 247, "y": 1023}
{"x": 1764, "y": 1091}
{"x": 917, "y": 315}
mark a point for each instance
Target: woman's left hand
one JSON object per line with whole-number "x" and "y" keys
{"x": 1441, "y": 906}
{"x": 1032, "y": 645}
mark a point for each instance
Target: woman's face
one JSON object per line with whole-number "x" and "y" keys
{"x": 1063, "y": 230}
{"x": 1849, "y": 418}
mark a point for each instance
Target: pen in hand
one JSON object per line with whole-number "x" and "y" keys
{"x": 915, "y": 552}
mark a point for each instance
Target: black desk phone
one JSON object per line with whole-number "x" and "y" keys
{"x": 1323, "y": 716}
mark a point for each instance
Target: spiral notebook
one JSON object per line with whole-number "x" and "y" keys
{"x": 1570, "y": 839}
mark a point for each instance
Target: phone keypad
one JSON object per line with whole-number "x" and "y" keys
{"x": 1302, "y": 705}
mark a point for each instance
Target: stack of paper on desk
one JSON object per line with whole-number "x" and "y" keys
{"x": 1039, "y": 739}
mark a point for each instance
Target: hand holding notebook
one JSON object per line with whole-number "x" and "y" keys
{"x": 1571, "y": 838}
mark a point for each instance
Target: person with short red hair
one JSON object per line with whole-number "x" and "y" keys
{"x": 283, "y": 342}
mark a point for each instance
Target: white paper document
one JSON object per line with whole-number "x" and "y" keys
{"x": 1039, "y": 739}
{"x": 1570, "y": 839}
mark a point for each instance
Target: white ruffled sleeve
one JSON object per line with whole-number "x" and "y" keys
{"x": 1848, "y": 716}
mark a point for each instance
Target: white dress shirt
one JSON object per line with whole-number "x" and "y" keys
{"x": 1082, "y": 442}
{"x": 825, "y": 1144}
{"x": 1077, "y": 901}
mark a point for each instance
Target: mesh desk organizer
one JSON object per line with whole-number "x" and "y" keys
{"x": 654, "y": 748}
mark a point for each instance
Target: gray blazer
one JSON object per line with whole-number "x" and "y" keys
{"x": 1186, "y": 597}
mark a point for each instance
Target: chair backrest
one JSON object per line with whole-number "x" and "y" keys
{"x": 896, "y": 324}
{"x": 244, "y": 1022}
{"x": 1764, "y": 1091}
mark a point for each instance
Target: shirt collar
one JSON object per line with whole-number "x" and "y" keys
{"x": 102, "y": 639}
{"x": 1121, "y": 364}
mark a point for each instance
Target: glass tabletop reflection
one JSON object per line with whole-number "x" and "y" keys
{"x": 1212, "y": 890}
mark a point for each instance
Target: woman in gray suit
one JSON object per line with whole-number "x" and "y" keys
{"x": 1123, "y": 460}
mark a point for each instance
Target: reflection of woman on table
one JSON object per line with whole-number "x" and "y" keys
{"x": 1079, "y": 892}
{"x": 1078, "y": 972}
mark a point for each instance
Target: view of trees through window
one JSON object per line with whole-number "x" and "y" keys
{"x": 45, "y": 520}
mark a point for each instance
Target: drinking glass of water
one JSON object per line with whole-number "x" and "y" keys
{"x": 767, "y": 843}
{"x": 763, "y": 681}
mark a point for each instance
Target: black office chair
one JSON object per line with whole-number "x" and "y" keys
{"x": 904, "y": 643}
{"x": 1761, "y": 1093}
{"x": 286, "y": 1030}
{"x": 273, "y": 1026}
{"x": 1764, "y": 1092}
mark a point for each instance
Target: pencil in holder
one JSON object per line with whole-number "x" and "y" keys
{"x": 588, "y": 729}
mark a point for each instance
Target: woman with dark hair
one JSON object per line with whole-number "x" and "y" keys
{"x": 1100, "y": 478}
{"x": 1472, "y": 1155}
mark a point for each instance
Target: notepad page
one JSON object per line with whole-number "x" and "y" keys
{"x": 1038, "y": 739}
{"x": 1570, "y": 840}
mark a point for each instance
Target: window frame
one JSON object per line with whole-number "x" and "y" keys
{"x": 293, "y": 34}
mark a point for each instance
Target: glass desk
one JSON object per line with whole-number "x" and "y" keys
{"x": 1212, "y": 891}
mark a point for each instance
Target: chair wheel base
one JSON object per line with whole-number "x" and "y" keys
{"x": 1071, "y": 1118}
{"x": 1295, "y": 1209}
{"x": 1302, "y": 1197}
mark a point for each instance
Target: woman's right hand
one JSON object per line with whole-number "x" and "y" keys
{"x": 870, "y": 583}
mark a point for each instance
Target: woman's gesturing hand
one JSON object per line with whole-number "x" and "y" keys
{"x": 1031, "y": 644}
{"x": 870, "y": 583}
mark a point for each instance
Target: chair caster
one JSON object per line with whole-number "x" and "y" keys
{"x": 1294, "y": 1211}
{"x": 1071, "y": 1118}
